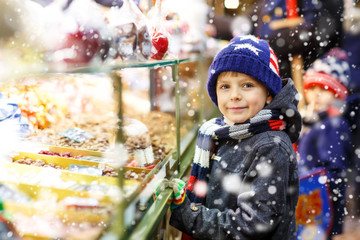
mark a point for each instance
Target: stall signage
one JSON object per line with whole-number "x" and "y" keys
{"x": 314, "y": 208}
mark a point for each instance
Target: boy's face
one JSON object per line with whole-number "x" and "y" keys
{"x": 240, "y": 96}
{"x": 318, "y": 98}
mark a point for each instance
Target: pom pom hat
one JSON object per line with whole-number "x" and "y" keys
{"x": 332, "y": 72}
{"x": 248, "y": 55}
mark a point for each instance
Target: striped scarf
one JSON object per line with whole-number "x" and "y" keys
{"x": 216, "y": 129}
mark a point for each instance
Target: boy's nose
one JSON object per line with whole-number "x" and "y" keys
{"x": 235, "y": 95}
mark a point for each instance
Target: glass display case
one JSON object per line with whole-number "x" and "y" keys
{"x": 104, "y": 136}
{"x": 88, "y": 123}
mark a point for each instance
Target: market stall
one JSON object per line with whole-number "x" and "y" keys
{"x": 93, "y": 118}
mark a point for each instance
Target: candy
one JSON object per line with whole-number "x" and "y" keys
{"x": 144, "y": 42}
{"x": 160, "y": 45}
{"x": 65, "y": 155}
{"x": 82, "y": 46}
{"x": 126, "y": 39}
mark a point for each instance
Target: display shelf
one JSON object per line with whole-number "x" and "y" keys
{"x": 171, "y": 166}
{"x": 96, "y": 67}
{"x": 137, "y": 215}
{"x": 149, "y": 222}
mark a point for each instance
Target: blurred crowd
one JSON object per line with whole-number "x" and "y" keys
{"x": 317, "y": 43}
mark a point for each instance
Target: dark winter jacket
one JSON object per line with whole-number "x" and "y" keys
{"x": 351, "y": 44}
{"x": 328, "y": 144}
{"x": 253, "y": 184}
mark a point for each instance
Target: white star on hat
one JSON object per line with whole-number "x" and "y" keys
{"x": 247, "y": 46}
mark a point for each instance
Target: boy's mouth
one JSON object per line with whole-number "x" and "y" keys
{"x": 236, "y": 108}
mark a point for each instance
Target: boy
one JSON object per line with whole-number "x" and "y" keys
{"x": 244, "y": 181}
{"x": 326, "y": 138}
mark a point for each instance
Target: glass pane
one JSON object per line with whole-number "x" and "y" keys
{"x": 59, "y": 169}
{"x": 190, "y": 98}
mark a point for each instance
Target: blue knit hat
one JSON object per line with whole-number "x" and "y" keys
{"x": 248, "y": 55}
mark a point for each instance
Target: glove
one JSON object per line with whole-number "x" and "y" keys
{"x": 160, "y": 187}
{"x": 178, "y": 186}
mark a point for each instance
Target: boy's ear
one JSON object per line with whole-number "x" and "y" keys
{"x": 269, "y": 98}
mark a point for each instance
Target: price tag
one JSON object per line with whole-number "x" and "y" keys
{"x": 77, "y": 134}
{"x": 95, "y": 171}
{"x": 93, "y": 159}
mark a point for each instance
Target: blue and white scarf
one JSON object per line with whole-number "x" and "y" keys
{"x": 217, "y": 129}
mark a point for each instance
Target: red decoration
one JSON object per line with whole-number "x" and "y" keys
{"x": 85, "y": 44}
{"x": 160, "y": 45}
{"x": 292, "y": 9}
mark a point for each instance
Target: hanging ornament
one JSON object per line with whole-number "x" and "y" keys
{"x": 160, "y": 45}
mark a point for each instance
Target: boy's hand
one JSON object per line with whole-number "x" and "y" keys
{"x": 160, "y": 187}
{"x": 178, "y": 187}
{"x": 179, "y": 194}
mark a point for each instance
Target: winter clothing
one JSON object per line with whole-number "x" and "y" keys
{"x": 265, "y": 120}
{"x": 352, "y": 47}
{"x": 252, "y": 186}
{"x": 332, "y": 71}
{"x": 351, "y": 42}
{"x": 249, "y": 55}
{"x": 161, "y": 187}
{"x": 327, "y": 144}
{"x": 326, "y": 141}
{"x": 352, "y": 113}
{"x": 177, "y": 186}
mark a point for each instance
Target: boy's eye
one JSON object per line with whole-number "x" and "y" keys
{"x": 224, "y": 86}
{"x": 248, "y": 85}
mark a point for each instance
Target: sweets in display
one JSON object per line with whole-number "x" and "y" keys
{"x": 66, "y": 155}
{"x": 144, "y": 42}
{"x": 40, "y": 109}
{"x": 131, "y": 174}
{"x": 104, "y": 169}
{"x": 129, "y": 31}
{"x": 50, "y": 226}
{"x": 138, "y": 142}
{"x": 159, "y": 45}
{"x": 39, "y": 177}
{"x": 76, "y": 200}
{"x": 126, "y": 38}
{"x": 84, "y": 44}
{"x": 51, "y": 207}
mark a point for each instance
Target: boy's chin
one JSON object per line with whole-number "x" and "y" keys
{"x": 232, "y": 120}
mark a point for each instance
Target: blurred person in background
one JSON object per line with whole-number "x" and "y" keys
{"x": 292, "y": 27}
{"x": 326, "y": 139}
{"x": 352, "y": 47}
